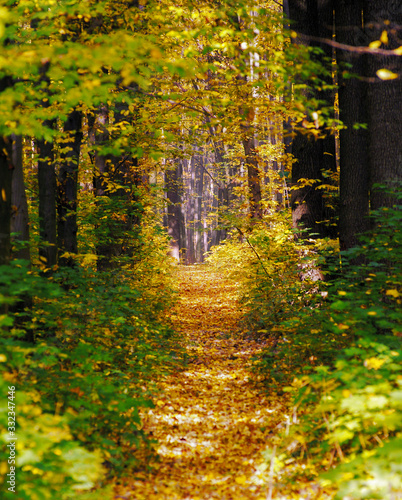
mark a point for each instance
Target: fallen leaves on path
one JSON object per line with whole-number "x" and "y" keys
{"x": 211, "y": 421}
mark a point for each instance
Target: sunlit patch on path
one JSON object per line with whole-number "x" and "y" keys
{"x": 211, "y": 422}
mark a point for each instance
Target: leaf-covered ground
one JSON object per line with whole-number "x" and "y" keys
{"x": 211, "y": 421}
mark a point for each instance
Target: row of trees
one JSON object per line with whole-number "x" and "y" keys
{"x": 330, "y": 137}
{"x": 366, "y": 36}
{"x": 209, "y": 90}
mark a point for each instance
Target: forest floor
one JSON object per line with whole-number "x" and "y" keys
{"x": 212, "y": 421}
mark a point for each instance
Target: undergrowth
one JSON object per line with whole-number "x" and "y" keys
{"x": 334, "y": 346}
{"x": 101, "y": 342}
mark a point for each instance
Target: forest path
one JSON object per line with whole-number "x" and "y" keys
{"x": 212, "y": 423}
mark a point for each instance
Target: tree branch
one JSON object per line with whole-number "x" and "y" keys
{"x": 351, "y": 48}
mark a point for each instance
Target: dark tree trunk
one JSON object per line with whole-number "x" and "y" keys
{"x": 99, "y": 136}
{"x": 98, "y": 133}
{"x": 67, "y": 188}
{"x": 20, "y": 226}
{"x": 19, "y": 219}
{"x": 222, "y": 190}
{"x": 47, "y": 202}
{"x": 354, "y": 160}
{"x": 384, "y": 101}
{"x": 312, "y": 18}
{"x": 253, "y": 178}
{"x": 199, "y": 185}
{"x": 306, "y": 201}
{"x": 6, "y": 174}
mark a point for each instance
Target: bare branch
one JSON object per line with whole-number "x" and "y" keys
{"x": 351, "y": 48}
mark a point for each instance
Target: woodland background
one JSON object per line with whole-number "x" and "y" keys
{"x": 134, "y": 129}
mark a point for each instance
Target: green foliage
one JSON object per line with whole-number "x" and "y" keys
{"x": 101, "y": 344}
{"x": 349, "y": 423}
{"x": 276, "y": 276}
{"x": 336, "y": 344}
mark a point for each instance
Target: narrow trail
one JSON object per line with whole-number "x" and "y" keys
{"x": 212, "y": 423}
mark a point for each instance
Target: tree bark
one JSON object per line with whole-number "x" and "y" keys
{"x": 173, "y": 183}
{"x": 67, "y": 188}
{"x": 191, "y": 212}
{"x": 384, "y": 102}
{"x": 354, "y": 159}
{"x": 253, "y": 178}
{"x": 20, "y": 226}
{"x": 199, "y": 166}
{"x": 6, "y": 172}
{"x": 19, "y": 218}
{"x": 312, "y": 18}
{"x": 47, "y": 185}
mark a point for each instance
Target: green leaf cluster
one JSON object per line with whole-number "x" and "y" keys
{"x": 347, "y": 404}
{"x": 102, "y": 341}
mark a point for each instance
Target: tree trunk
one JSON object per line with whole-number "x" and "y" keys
{"x": 98, "y": 121}
{"x": 312, "y": 18}
{"x": 222, "y": 189}
{"x": 190, "y": 212}
{"x": 384, "y": 101}
{"x": 354, "y": 160}
{"x": 19, "y": 219}
{"x": 6, "y": 173}
{"x": 20, "y": 225}
{"x": 199, "y": 186}
{"x": 47, "y": 202}
{"x": 117, "y": 232}
{"x": 67, "y": 188}
{"x": 253, "y": 178}
{"x": 173, "y": 182}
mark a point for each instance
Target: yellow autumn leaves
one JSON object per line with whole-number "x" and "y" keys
{"x": 211, "y": 422}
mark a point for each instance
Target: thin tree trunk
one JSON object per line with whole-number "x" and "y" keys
{"x": 98, "y": 121}
{"x": 191, "y": 204}
{"x": 20, "y": 226}
{"x": 199, "y": 175}
{"x": 173, "y": 182}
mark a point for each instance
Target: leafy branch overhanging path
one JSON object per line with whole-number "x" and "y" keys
{"x": 212, "y": 423}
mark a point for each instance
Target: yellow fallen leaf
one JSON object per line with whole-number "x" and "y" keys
{"x": 241, "y": 479}
{"x": 393, "y": 293}
{"x": 374, "y": 363}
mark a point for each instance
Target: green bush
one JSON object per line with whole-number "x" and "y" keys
{"x": 348, "y": 404}
{"x": 102, "y": 341}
